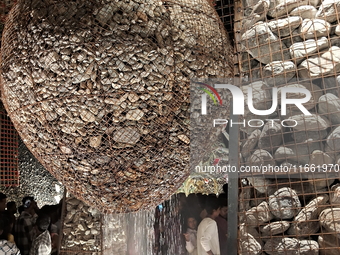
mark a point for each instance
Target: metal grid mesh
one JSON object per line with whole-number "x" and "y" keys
{"x": 102, "y": 100}
{"x": 225, "y": 9}
{"x": 9, "y": 174}
{"x": 289, "y": 200}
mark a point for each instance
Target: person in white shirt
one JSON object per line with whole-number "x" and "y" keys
{"x": 191, "y": 236}
{"x": 207, "y": 233}
{"x": 42, "y": 244}
{"x": 6, "y": 247}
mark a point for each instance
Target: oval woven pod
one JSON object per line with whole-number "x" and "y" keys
{"x": 99, "y": 91}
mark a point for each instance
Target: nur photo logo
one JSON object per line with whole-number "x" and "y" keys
{"x": 239, "y": 98}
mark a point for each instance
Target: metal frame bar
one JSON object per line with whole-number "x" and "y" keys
{"x": 233, "y": 186}
{"x": 234, "y": 134}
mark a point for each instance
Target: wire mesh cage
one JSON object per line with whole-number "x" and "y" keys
{"x": 82, "y": 228}
{"x": 9, "y": 175}
{"x": 99, "y": 92}
{"x": 9, "y": 144}
{"x": 5, "y": 7}
{"x": 289, "y": 155}
{"x": 226, "y": 12}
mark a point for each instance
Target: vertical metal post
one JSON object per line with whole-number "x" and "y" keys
{"x": 233, "y": 183}
{"x": 62, "y": 218}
